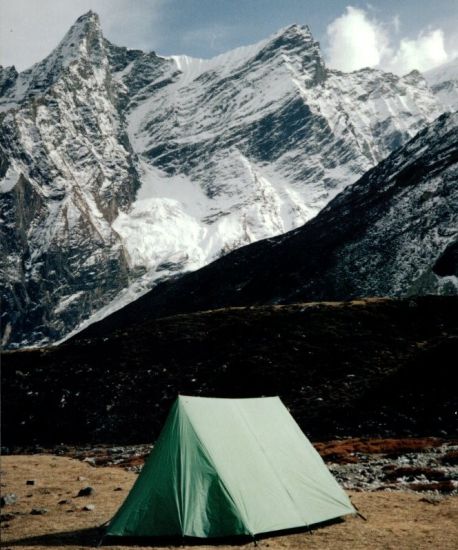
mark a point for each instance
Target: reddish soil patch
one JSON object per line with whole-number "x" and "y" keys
{"x": 343, "y": 451}
{"x": 440, "y": 486}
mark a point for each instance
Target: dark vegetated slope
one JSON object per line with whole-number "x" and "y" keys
{"x": 373, "y": 367}
{"x": 393, "y": 233}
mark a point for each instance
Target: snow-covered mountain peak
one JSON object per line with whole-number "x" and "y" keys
{"x": 83, "y": 36}
{"x": 292, "y": 35}
{"x": 84, "y": 40}
{"x": 296, "y": 47}
{"x": 291, "y": 44}
{"x": 125, "y": 167}
{"x": 90, "y": 17}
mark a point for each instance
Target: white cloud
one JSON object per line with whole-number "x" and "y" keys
{"x": 31, "y": 29}
{"x": 357, "y": 41}
{"x": 424, "y": 53}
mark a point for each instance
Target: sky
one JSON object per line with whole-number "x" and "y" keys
{"x": 392, "y": 35}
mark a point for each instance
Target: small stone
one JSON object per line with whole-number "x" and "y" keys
{"x": 10, "y": 498}
{"x": 118, "y": 489}
{"x": 89, "y": 507}
{"x": 65, "y": 501}
{"x": 30, "y": 482}
{"x": 6, "y": 517}
{"x": 39, "y": 511}
{"x": 86, "y": 491}
{"x": 81, "y": 478}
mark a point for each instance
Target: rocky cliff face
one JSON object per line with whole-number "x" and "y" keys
{"x": 67, "y": 170}
{"x": 121, "y": 168}
{"x": 392, "y": 233}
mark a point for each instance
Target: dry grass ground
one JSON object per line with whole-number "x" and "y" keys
{"x": 397, "y": 520}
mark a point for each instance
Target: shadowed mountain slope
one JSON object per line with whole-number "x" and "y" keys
{"x": 371, "y": 367}
{"x": 393, "y": 233}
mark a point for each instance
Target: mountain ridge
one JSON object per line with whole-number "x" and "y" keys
{"x": 386, "y": 235}
{"x": 138, "y": 168}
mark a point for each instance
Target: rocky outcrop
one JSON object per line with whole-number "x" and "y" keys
{"x": 67, "y": 173}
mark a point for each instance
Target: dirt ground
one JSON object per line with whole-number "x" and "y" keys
{"x": 395, "y": 520}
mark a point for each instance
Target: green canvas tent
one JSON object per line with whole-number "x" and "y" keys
{"x": 224, "y": 467}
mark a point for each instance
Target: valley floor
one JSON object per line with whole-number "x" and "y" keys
{"x": 396, "y": 519}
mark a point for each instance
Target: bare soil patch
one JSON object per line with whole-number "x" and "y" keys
{"x": 395, "y": 520}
